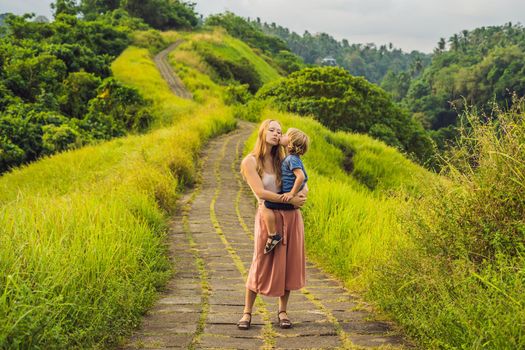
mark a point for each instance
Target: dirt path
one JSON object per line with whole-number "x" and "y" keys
{"x": 175, "y": 84}
{"x": 211, "y": 243}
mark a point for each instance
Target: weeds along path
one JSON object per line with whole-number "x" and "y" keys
{"x": 175, "y": 84}
{"x": 211, "y": 245}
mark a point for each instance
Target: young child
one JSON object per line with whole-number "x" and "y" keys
{"x": 293, "y": 179}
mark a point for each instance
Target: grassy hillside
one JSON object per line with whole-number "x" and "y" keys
{"x": 231, "y": 48}
{"x": 135, "y": 67}
{"x": 192, "y": 52}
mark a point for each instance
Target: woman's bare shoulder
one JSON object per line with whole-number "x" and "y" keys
{"x": 248, "y": 161}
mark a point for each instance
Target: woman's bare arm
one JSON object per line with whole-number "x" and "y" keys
{"x": 253, "y": 179}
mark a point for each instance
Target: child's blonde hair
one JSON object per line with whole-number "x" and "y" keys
{"x": 299, "y": 141}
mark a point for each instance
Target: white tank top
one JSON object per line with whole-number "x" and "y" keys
{"x": 269, "y": 184}
{"x": 269, "y": 181}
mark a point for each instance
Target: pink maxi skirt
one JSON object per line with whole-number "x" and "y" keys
{"x": 284, "y": 267}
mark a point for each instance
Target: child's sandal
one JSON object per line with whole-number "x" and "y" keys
{"x": 272, "y": 242}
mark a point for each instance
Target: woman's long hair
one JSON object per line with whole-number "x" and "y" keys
{"x": 260, "y": 150}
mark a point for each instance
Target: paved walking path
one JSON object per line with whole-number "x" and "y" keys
{"x": 174, "y": 82}
{"x": 211, "y": 244}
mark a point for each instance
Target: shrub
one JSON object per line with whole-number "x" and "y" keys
{"x": 250, "y": 111}
{"x": 79, "y": 88}
{"x": 288, "y": 62}
{"x": 27, "y": 77}
{"x": 163, "y": 14}
{"x": 10, "y": 154}
{"x": 120, "y": 18}
{"x": 22, "y": 132}
{"x": 59, "y": 138}
{"x": 237, "y": 94}
{"x": 119, "y": 107}
{"x": 78, "y": 57}
{"x": 151, "y": 40}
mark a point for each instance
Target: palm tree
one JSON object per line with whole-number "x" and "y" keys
{"x": 442, "y": 44}
{"x": 454, "y": 42}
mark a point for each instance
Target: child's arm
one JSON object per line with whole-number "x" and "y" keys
{"x": 299, "y": 179}
{"x": 304, "y": 191}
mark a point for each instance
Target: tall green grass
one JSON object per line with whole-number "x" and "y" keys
{"x": 82, "y": 233}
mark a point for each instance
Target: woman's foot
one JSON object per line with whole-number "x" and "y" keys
{"x": 284, "y": 321}
{"x": 245, "y": 321}
{"x": 272, "y": 241}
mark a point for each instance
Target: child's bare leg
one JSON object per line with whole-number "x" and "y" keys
{"x": 273, "y": 237}
{"x": 269, "y": 220}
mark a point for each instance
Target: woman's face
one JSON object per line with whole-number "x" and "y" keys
{"x": 273, "y": 134}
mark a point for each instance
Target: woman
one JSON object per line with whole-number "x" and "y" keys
{"x": 283, "y": 270}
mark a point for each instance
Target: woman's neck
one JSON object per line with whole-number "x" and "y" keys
{"x": 268, "y": 162}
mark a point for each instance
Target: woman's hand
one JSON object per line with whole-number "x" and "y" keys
{"x": 298, "y": 201}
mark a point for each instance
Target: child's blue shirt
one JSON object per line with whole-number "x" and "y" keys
{"x": 290, "y": 163}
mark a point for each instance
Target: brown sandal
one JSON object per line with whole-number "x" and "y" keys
{"x": 245, "y": 325}
{"x": 284, "y": 323}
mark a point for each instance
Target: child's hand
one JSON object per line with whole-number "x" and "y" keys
{"x": 287, "y": 196}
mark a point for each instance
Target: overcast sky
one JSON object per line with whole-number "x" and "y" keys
{"x": 408, "y": 24}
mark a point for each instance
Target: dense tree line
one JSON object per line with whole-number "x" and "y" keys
{"x": 481, "y": 68}
{"x": 159, "y": 14}
{"x": 367, "y": 60}
{"x": 56, "y": 89}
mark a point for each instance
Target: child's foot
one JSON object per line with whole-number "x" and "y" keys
{"x": 272, "y": 241}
